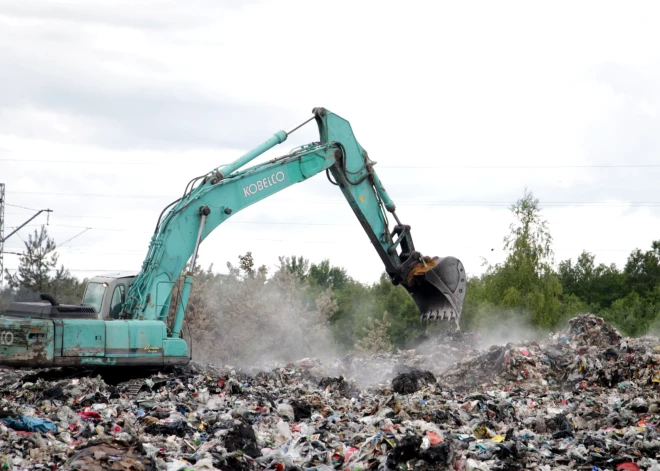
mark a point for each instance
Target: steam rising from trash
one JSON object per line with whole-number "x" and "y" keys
{"x": 251, "y": 320}
{"x": 498, "y": 327}
{"x": 254, "y": 322}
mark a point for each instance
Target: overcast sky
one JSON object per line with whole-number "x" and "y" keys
{"x": 108, "y": 108}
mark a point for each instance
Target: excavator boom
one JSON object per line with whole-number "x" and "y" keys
{"x": 437, "y": 285}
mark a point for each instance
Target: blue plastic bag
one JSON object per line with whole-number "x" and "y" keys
{"x": 30, "y": 424}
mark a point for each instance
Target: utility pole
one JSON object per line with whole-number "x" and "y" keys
{"x": 2, "y": 229}
{"x": 2, "y": 232}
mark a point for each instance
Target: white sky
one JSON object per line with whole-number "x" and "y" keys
{"x": 102, "y": 101}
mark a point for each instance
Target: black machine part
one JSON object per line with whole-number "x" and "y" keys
{"x": 438, "y": 288}
{"x": 50, "y": 311}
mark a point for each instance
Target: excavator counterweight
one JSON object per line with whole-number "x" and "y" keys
{"x": 123, "y": 318}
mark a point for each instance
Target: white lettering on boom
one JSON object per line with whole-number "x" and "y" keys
{"x": 260, "y": 185}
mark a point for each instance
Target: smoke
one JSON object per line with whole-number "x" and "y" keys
{"x": 507, "y": 328}
{"x": 499, "y": 327}
{"x": 258, "y": 322}
{"x": 249, "y": 321}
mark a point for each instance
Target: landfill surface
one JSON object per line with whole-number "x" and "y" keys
{"x": 584, "y": 398}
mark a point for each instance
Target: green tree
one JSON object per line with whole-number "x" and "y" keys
{"x": 402, "y": 311}
{"x": 35, "y": 263}
{"x": 376, "y": 338}
{"x": 299, "y": 266}
{"x": 526, "y": 282}
{"x": 609, "y": 285}
{"x": 352, "y": 300}
{"x": 578, "y": 278}
{"x": 634, "y": 314}
{"x": 246, "y": 264}
{"x": 37, "y": 273}
{"x": 597, "y": 286}
{"x": 477, "y": 306}
{"x": 7, "y": 295}
{"x": 248, "y": 315}
{"x": 65, "y": 288}
{"x": 325, "y": 275}
{"x": 642, "y": 269}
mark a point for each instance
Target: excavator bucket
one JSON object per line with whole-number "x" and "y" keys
{"x": 437, "y": 285}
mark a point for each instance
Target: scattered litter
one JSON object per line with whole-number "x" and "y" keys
{"x": 584, "y": 398}
{"x": 29, "y": 424}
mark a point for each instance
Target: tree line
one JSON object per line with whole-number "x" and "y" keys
{"x": 528, "y": 285}
{"x": 38, "y": 273}
{"x": 303, "y": 304}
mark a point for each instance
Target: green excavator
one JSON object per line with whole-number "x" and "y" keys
{"x": 123, "y": 319}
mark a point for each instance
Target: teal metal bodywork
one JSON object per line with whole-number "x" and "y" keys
{"x": 27, "y": 341}
{"x": 134, "y": 332}
{"x": 68, "y": 342}
{"x": 225, "y": 191}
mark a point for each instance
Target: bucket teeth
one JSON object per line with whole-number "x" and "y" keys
{"x": 430, "y": 316}
{"x": 440, "y": 315}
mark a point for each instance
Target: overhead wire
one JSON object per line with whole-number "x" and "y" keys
{"x": 346, "y": 172}
{"x": 70, "y": 239}
{"x": 22, "y": 207}
{"x": 338, "y": 201}
{"x": 81, "y": 216}
{"x": 441, "y": 167}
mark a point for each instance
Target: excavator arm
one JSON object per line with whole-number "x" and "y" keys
{"x": 436, "y": 284}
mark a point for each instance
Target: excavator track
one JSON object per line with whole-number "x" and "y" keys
{"x": 132, "y": 388}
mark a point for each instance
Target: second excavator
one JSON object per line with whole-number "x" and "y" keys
{"x": 123, "y": 320}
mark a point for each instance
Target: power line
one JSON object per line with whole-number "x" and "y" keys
{"x": 22, "y": 207}
{"x": 147, "y": 232}
{"x": 408, "y": 202}
{"x": 138, "y": 252}
{"x": 71, "y": 216}
{"x": 515, "y": 167}
{"x": 274, "y": 223}
{"x": 100, "y": 162}
{"x": 66, "y": 251}
{"x": 102, "y": 270}
{"x": 70, "y": 239}
{"x": 442, "y": 167}
{"x": 92, "y": 195}
{"x": 95, "y": 228}
{"x": 233, "y": 222}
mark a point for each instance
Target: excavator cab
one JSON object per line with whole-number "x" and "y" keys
{"x": 106, "y": 294}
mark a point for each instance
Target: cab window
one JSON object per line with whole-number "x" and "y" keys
{"x": 94, "y": 295}
{"x": 117, "y": 301}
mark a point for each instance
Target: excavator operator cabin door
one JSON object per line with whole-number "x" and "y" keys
{"x": 118, "y": 298}
{"x": 117, "y": 331}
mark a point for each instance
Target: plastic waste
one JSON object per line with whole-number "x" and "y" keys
{"x": 30, "y": 424}
{"x": 583, "y": 398}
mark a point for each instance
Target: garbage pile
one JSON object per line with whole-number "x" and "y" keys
{"x": 585, "y": 398}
